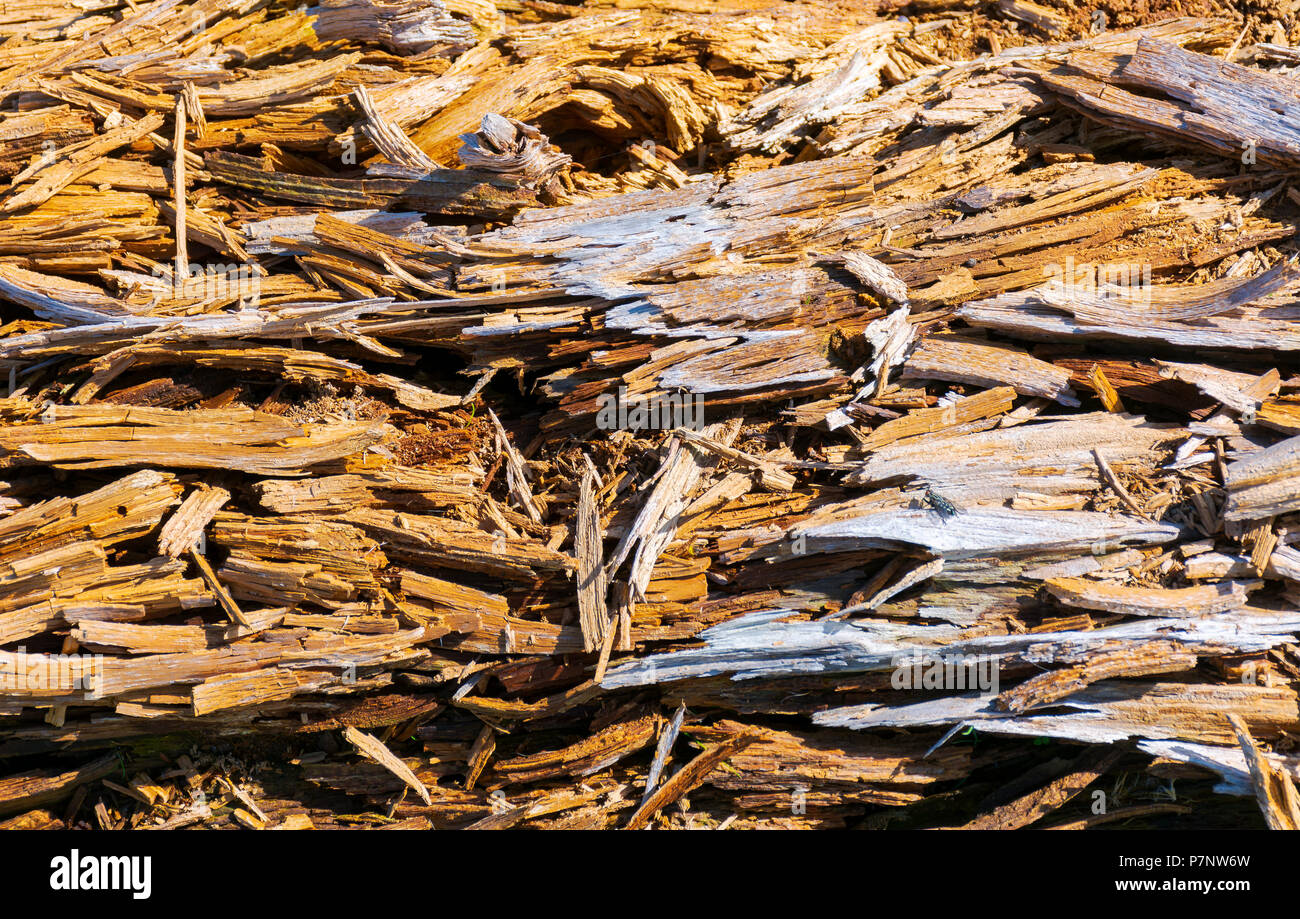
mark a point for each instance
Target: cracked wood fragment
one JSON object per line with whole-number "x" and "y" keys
{"x": 1274, "y": 789}
{"x": 511, "y": 148}
{"x": 1102, "y": 713}
{"x": 479, "y": 755}
{"x": 687, "y": 778}
{"x": 516, "y": 472}
{"x": 1038, "y": 804}
{"x": 243, "y": 689}
{"x": 763, "y": 645}
{"x": 388, "y": 138}
{"x": 982, "y": 405}
{"x": 224, "y": 599}
{"x": 1263, "y": 484}
{"x": 1148, "y": 659}
{"x": 178, "y": 181}
{"x": 185, "y": 527}
{"x": 39, "y": 787}
{"x": 592, "y": 585}
{"x": 586, "y": 757}
{"x": 1105, "y": 391}
{"x": 978, "y": 531}
{"x": 878, "y": 277}
{"x": 988, "y": 364}
{"x": 373, "y": 749}
{"x": 1188, "y": 602}
{"x": 78, "y": 161}
{"x": 657, "y": 520}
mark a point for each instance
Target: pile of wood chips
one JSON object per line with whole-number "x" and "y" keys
{"x": 444, "y": 413}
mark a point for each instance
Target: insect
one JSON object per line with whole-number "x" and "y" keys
{"x": 941, "y": 504}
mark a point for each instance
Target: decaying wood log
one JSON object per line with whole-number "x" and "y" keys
{"x": 634, "y": 414}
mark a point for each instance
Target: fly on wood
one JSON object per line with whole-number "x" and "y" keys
{"x": 941, "y": 504}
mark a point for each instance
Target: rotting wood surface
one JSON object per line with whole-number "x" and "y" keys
{"x": 638, "y": 414}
